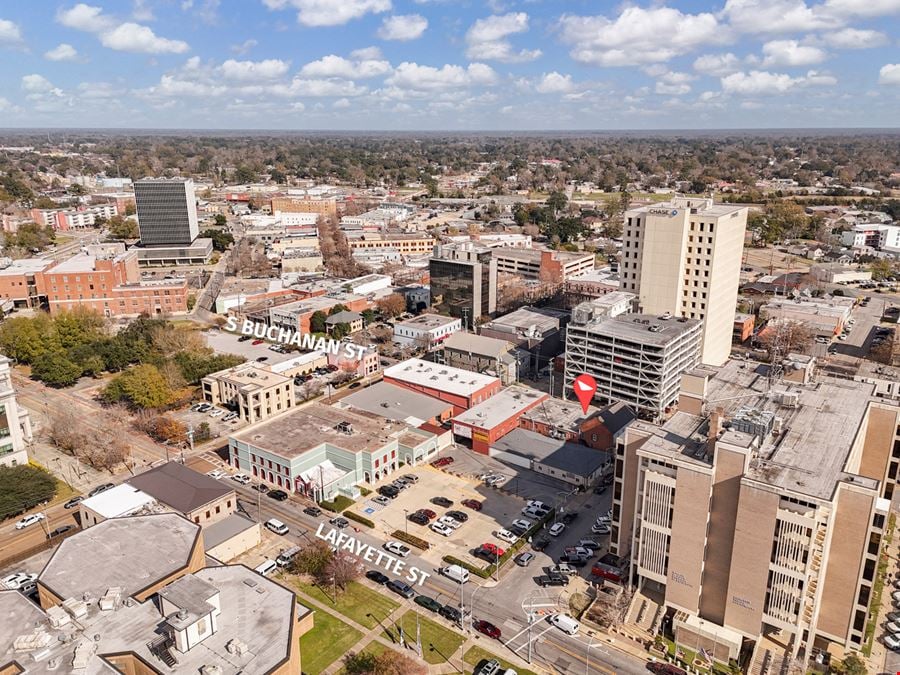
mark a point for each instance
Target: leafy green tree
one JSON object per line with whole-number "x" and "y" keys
{"x": 21, "y": 339}
{"x": 220, "y": 220}
{"x": 78, "y": 326}
{"x": 141, "y": 386}
{"x": 122, "y": 228}
{"x": 557, "y": 202}
{"x": 56, "y": 370}
{"x": 317, "y": 322}
{"x": 338, "y": 308}
{"x": 244, "y": 174}
{"x": 31, "y": 236}
{"x": 853, "y": 665}
{"x": 22, "y": 488}
{"x": 340, "y": 330}
{"x": 195, "y": 367}
{"x": 221, "y": 240}
{"x": 368, "y": 316}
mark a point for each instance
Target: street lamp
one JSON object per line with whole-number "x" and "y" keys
{"x": 406, "y": 520}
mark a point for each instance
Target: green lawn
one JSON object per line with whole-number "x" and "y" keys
{"x": 374, "y": 648}
{"x": 439, "y": 644}
{"x": 356, "y": 603}
{"x": 328, "y": 641}
{"x": 476, "y": 655}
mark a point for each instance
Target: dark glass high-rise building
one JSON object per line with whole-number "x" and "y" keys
{"x": 166, "y": 211}
{"x": 463, "y": 281}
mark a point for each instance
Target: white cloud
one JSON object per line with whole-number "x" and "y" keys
{"x": 555, "y": 83}
{"x": 638, "y": 36}
{"x": 889, "y": 74}
{"x": 775, "y": 16}
{"x": 791, "y": 53}
{"x": 863, "y": 8}
{"x": 487, "y": 39}
{"x": 403, "y": 27}
{"x": 253, "y": 71}
{"x": 673, "y": 83}
{"x": 366, "y": 54}
{"x": 98, "y": 90}
{"x": 428, "y": 78}
{"x": 855, "y": 38}
{"x": 10, "y": 34}
{"x": 717, "y": 64}
{"x": 141, "y": 12}
{"x": 243, "y": 47}
{"x": 342, "y": 104}
{"x": 764, "y": 83}
{"x": 329, "y": 12}
{"x": 338, "y": 66}
{"x": 125, "y": 37}
{"x": 62, "y": 52}
{"x": 38, "y": 85}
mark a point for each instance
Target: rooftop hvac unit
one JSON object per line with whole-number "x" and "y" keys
{"x": 753, "y": 421}
{"x": 344, "y": 427}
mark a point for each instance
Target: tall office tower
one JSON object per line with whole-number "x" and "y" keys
{"x": 464, "y": 281}
{"x": 15, "y": 424}
{"x": 166, "y": 211}
{"x": 684, "y": 257}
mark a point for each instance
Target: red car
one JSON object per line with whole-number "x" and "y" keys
{"x": 473, "y": 504}
{"x": 442, "y": 461}
{"x": 428, "y": 513}
{"x": 257, "y": 342}
{"x": 492, "y": 549}
{"x": 487, "y": 628}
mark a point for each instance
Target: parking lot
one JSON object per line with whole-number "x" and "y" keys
{"x": 223, "y": 342}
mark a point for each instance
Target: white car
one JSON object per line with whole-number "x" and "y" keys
{"x": 241, "y": 478}
{"x": 276, "y": 526}
{"x": 449, "y": 522}
{"x": 230, "y": 416}
{"x": 218, "y": 412}
{"x": 216, "y": 473}
{"x": 16, "y": 581}
{"x": 601, "y": 528}
{"x": 397, "y": 548}
{"x": 892, "y": 642}
{"x": 441, "y": 528}
{"x": 563, "y": 568}
{"x": 557, "y": 529}
{"x": 522, "y": 524}
{"x": 842, "y": 336}
{"x": 822, "y": 341}
{"x": 892, "y": 627}
{"x": 495, "y": 480}
{"x": 895, "y": 596}
{"x": 506, "y": 536}
{"x": 536, "y": 504}
{"x": 30, "y": 520}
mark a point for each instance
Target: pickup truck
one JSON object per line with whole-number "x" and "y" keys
{"x": 552, "y": 580}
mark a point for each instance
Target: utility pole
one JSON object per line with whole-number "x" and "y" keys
{"x": 530, "y": 623}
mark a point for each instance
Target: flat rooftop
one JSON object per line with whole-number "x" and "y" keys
{"x": 477, "y": 344}
{"x": 118, "y": 501}
{"x": 560, "y": 413}
{"x": 647, "y": 329}
{"x": 500, "y": 407}
{"x": 809, "y": 454}
{"x": 26, "y": 266}
{"x": 699, "y": 206}
{"x": 427, "y": 322}
{"x": 562, "y": 455}
{"x": 538, "y": 319}
{"x": 130, "y": 553}
{"x": 436, "y": 376}
{"x": 249, "y": 377}
{"x": 223, "y": 530}
{"x": 395, "y": 403}
{"x": 300, "y": 430}
{"x": 78, "y": 263}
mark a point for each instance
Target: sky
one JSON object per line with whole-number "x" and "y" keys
{"x": 450, "y": 64}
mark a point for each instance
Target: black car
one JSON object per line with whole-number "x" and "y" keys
{"x": 540, "y": 544}
{"x": 552, "y": 580}
{"x": 401, "y": 588}
{"x": 428, "y": 603}
{"x": 458, "y": 515}
{"x": 451, "y": 613}
{"x": 60, "y": 530}
{"x": 278, "y": 495}
{"x": 388, "y": 491}
{"x": 354, "y": 385}
{"x": 101, "y": 488}
{"x": 442, "y": 501}
{"x": 72, "y": 503}
{"x": 261, "y": 487}
{"x": 419, "y": 518}
{"x": 313, "y": 511}
{"x": 569, "y": 518}
{"x": 243, "y": 338}
{"x": 377, "y": 577}
{"x": 339, "y": 523}
{"x": 600, "y": 489}
{"x": 262, "y": 358}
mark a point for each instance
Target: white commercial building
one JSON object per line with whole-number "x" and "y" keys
{"x": 873, "y": 235}
{"x": 839, "y": 274}
{"x": 684, "y": 257}
{"x": 15, "y": 424}
{"x": 426, "y": 330}
{"x": 825, "y": 317}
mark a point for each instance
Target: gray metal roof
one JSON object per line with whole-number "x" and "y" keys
{"x": 395, "y": 403}
{"x": 563, "y": 455}
{"x": 179, "y": 487}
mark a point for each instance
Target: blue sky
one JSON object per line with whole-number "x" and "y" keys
{"x": 450, "y": 64}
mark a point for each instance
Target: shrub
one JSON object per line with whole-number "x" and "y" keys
{"x": 484, "y": 573}
{"x": 23, "y": 487}
{"x": 365, "y": 492}
{"x": 411, "y": 539}
{"x": 339, "y": 504}
{"x": 359, "y": 519}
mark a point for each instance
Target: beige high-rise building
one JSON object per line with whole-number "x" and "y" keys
{"x": 759, "y": 508}
{"x": 684, "y": 257}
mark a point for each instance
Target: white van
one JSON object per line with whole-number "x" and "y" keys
{"x": 266, "y": 567}
{"x": 565, "y": 623}
{"x": 284, "y": 558}
{"x": 459, "y": 574}
{"x": 276, "y": 526}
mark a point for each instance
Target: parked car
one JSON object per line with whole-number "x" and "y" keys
{"x": 377, "y": 577}
{"x": 388, "y": 491}
{"x": 72, "y": 503}
{"x": 494, "y": 481}
{"x": 552, "y": 580}
{"x": 216, "y": 474}
{"x": 505, "y": 535}
{"x": 600, "y": 528}
{"x": 557, "y": 529}
{"x": 442, "y": 529}
{"x": 473, "y": 504}
{"x": 451, "y": 613}
{"x": 230, "y": 416}
{"x": 16, "y": 581}
{"x": 257, "y": 342}
{"x": 244, "y": 338}
{"x": 580, "y": 550}
{"x": 339, "y": 522}
{"x": 30, "y": 520}
{"x": 241, "y": 478}
{"x": 261, "y": 487}
{"x": 313, "y": 511}
{"x": 442, "y": 501}
{"x": 487, "y": 628}
{"x": 563, "y": 569}
{"x": 276, "y": 526}
{"x": 458, "y": 515}
{"x": 400, "y": 484}
{"x": 524, "y": 559}
{"x": 892, "y": 641}
{"x": 381, "y": 499}
{"x": 108, "y": 486}
{"x": 428, "y": 603}
{"x": 591, "y": 544}
{"x": 418, "y": 518}
{"x": 397, "y": 548}
{"x": 540, "y": 544}
{"x": 59, "y": 531}
{"x": 449, "y": 522}
{"x": 410, "y": 478}
{"x": 278, "y": 495}
{"x": 217, "y": 412}
{"x": 489, "y": 552}
{"x": 401, "y": 588}
{"x": 521, "y": 524}
{"x": 574, "y": 560}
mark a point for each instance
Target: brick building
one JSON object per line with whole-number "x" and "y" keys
{"x": 460, "y": 388}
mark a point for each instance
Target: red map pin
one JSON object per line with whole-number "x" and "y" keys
{"x": 585, "y": 387}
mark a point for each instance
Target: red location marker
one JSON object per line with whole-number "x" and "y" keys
{"x": 585, "y": 387}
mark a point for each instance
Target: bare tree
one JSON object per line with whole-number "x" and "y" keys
{"x": 310, "y": 389}
{"x": 610, "y": 609}
{"x": 392, "y": 305}
{"x": 388, "y": 662}
{"x": 341, "y": 570}
{"x": 782, "y": 336}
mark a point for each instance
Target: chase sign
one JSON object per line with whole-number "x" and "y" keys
{"x": 663, "y": 212}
